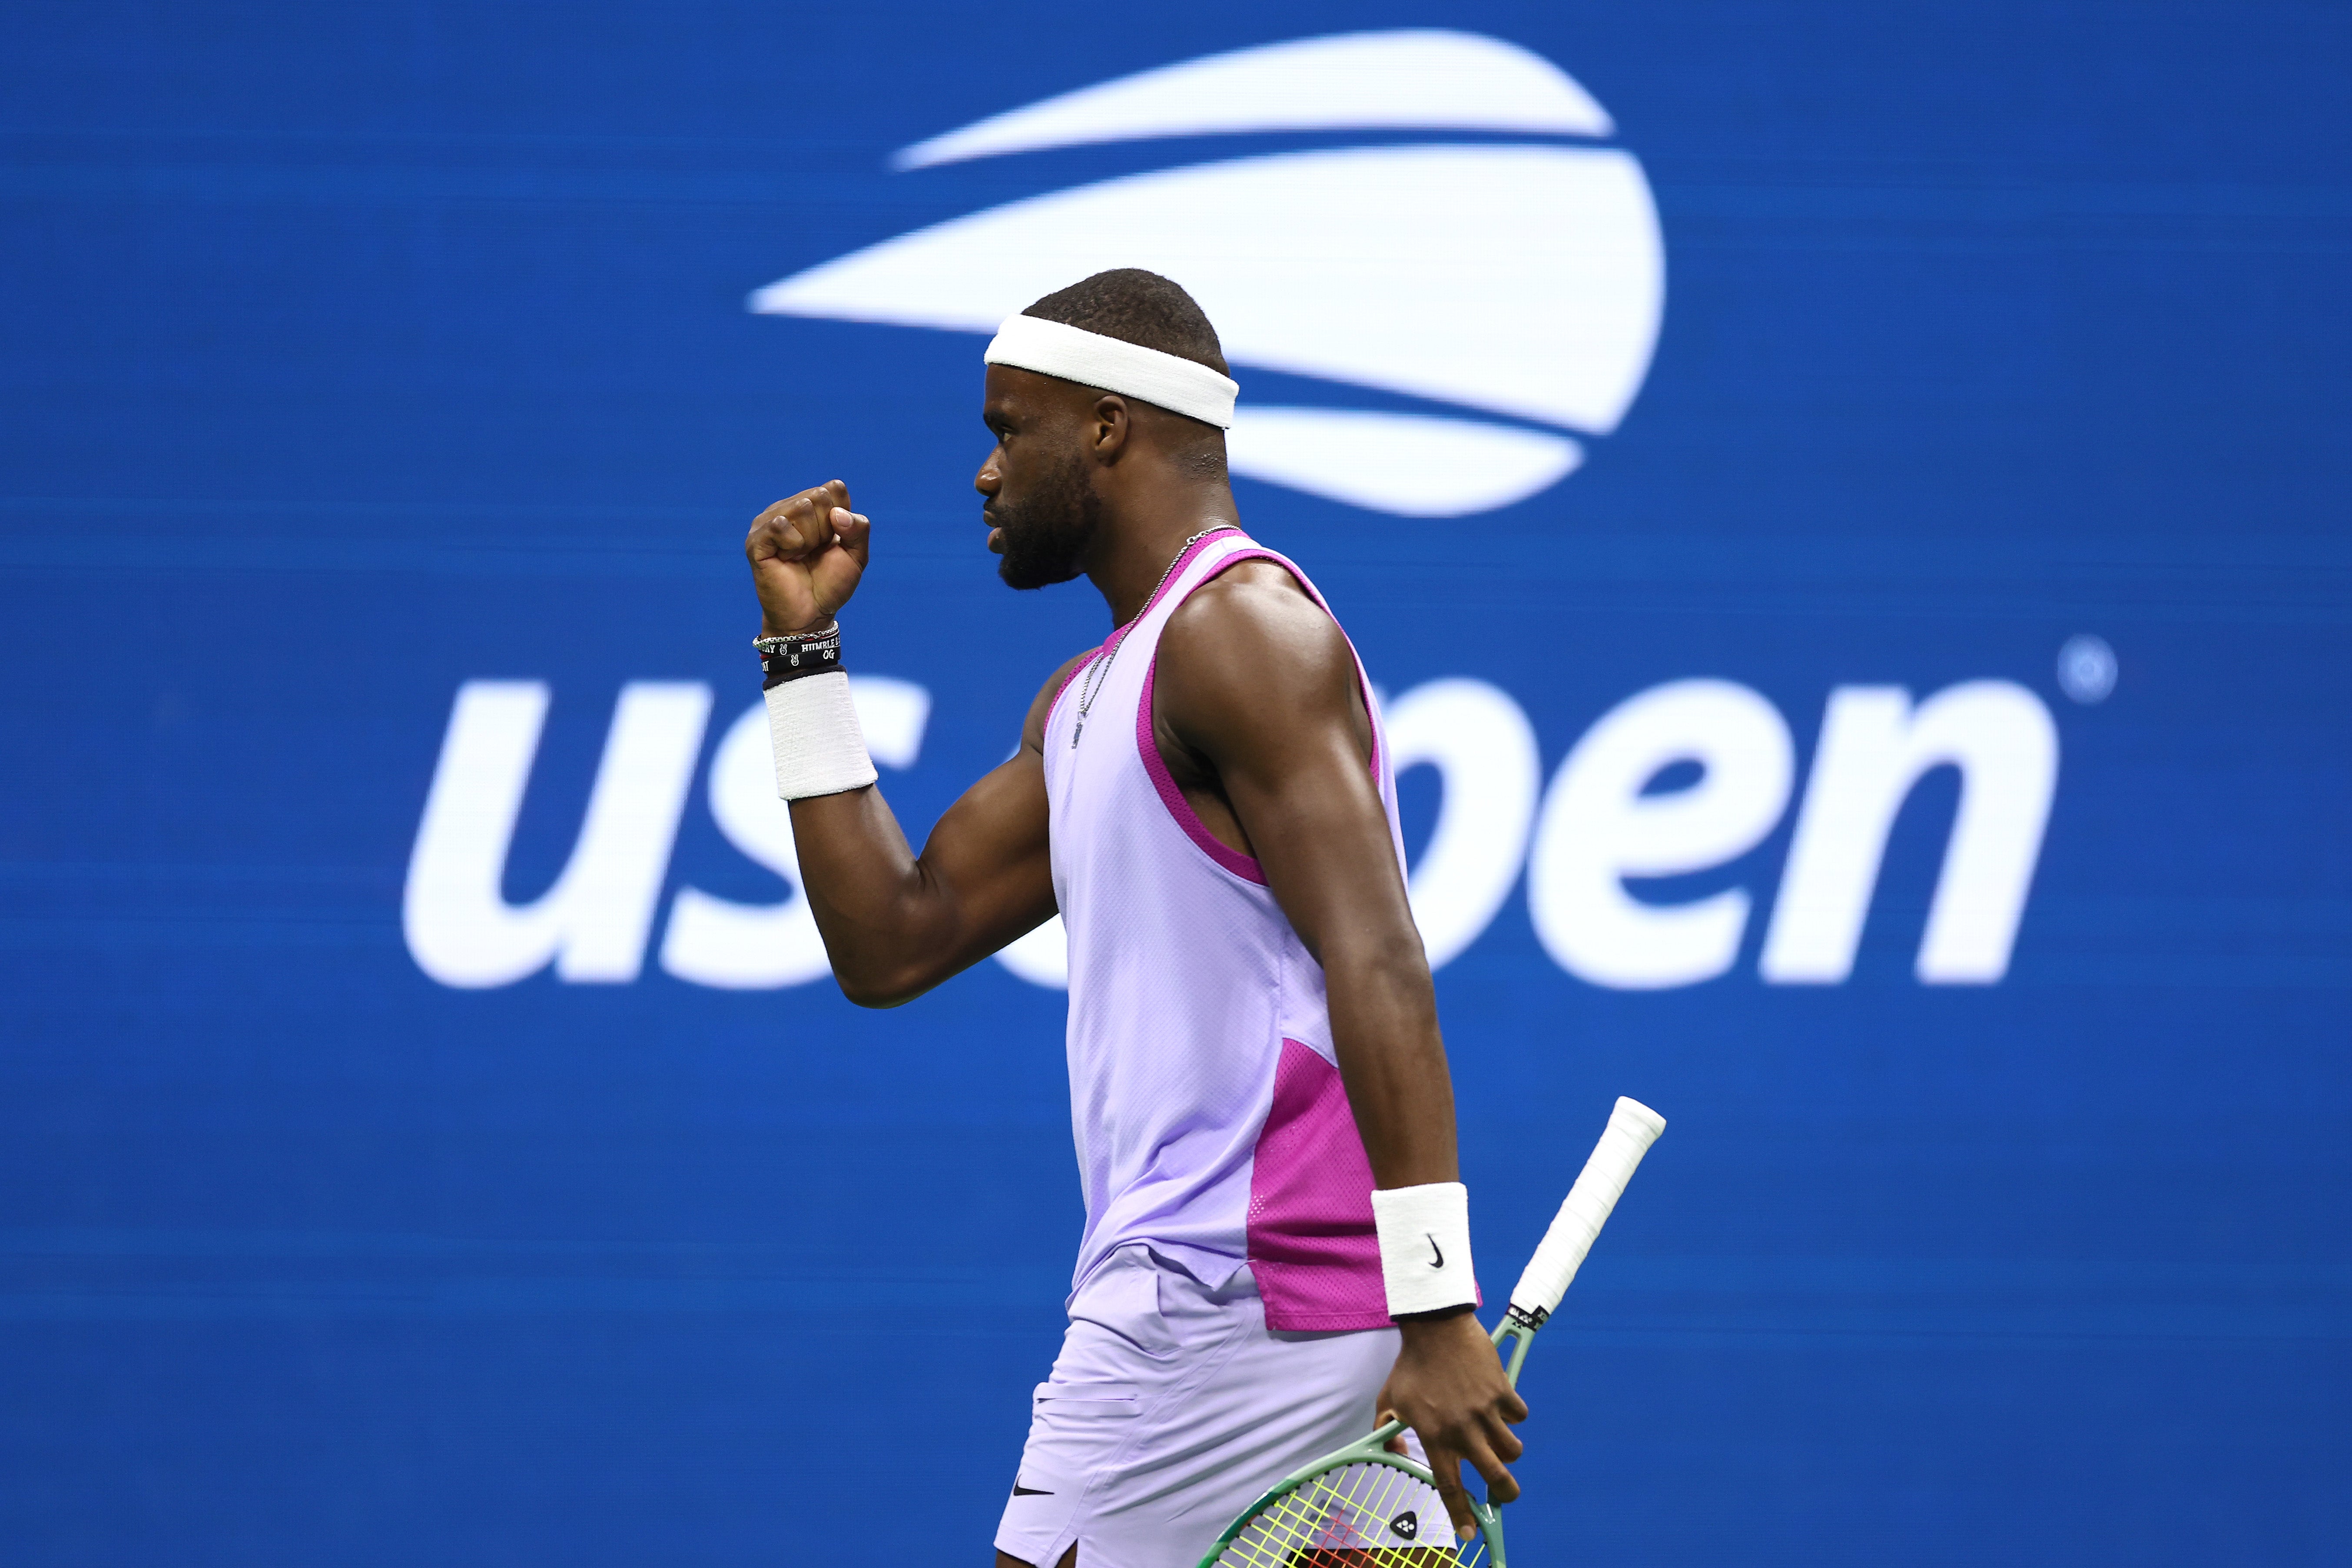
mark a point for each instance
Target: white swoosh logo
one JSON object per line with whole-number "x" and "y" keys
{"x": 1524, "y": 280}
{"x": 1409, "y": 79}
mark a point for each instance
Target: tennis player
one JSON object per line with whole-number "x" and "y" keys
{"x": 1277, "y": 1245}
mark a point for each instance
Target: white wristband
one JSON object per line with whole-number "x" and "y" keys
{"x": 812, "y": 730}
{"x": 1425, "y": 1246}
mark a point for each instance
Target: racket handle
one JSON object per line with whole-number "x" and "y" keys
{"x": 1633, "y": 1128}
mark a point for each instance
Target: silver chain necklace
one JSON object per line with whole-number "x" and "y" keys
{"x": 1092, "y": 685}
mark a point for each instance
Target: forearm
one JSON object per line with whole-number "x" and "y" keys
{"x": 1392, "y": 1061}
{"x": 896, "y": 924}
{"x": 875, "y": 907}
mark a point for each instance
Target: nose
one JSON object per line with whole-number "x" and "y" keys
{"x": 990, "y": 480}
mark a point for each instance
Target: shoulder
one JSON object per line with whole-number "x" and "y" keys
{"x": 1257, "y": 609}
{"x": 1033, "y": 729}
{"x": 1251, "y": 650}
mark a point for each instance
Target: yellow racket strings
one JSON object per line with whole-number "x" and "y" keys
{"x": 1348, "y": 1517}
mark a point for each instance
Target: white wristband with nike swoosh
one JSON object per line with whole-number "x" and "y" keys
{"x": 1424, "y": 1234}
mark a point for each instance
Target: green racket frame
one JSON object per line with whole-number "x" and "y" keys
{"x": 1373, "y": 1450}
{"x": 1633, "y": 1128}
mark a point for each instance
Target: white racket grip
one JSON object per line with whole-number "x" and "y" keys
{"x": 1633, "y": 1128}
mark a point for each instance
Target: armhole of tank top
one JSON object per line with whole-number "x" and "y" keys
{"x": 1171, "y": 793}
{"x": 1147, "y": 743}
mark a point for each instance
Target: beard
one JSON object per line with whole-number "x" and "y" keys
{"x": 1048, "y": 532}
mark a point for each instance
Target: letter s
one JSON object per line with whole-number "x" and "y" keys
{"x": 716, "y": 941}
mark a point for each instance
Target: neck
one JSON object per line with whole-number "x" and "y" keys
{"x": 1141, "y": 543}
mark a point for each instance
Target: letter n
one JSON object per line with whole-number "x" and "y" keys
{"x": 594, "y": 921}
{"x": 1875, "y": 747}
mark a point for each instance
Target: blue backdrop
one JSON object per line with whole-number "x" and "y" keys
{"x": 359, "y": 358}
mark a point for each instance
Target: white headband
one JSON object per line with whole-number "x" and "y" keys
{"x": 1090, "y": 359}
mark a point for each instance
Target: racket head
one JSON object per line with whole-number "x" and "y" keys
{"x": 1361, "y": 1508}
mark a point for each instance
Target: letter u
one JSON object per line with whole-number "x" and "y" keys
{"x": 594, "y": 921}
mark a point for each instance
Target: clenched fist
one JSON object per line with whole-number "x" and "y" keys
{"x": 807, "y": 554}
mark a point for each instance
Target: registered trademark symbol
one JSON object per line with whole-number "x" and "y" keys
{"x": 2086, "y": 669}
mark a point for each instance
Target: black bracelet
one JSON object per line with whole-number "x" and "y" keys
{"x": 795, "y": 657}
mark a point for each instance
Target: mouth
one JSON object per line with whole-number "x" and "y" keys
{"x": 995, "y": 531}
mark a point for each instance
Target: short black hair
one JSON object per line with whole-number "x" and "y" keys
{"x": 1139, "y": 308}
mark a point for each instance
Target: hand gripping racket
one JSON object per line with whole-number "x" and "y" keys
{"x": 1348, "y": 1510}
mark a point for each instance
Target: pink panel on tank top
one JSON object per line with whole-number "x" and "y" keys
{"x": 1312, "y": 1248}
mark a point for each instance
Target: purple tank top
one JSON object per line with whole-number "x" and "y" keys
{"x": 1210, "y": 1117}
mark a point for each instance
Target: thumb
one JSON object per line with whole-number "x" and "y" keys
{"x": 853, "y": 531}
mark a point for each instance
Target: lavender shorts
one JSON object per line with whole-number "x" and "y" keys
{"x": 1170, "y": 1408}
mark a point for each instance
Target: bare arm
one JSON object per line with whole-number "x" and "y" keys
{"x": 896, "y": 924}
{"x": 1259, "y": 714}
{"x": 1257, "y": 692}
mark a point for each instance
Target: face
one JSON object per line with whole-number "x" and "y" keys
{"x": 1041, "y": 506}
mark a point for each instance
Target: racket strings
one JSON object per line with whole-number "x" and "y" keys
{"x": 1356, "y": 1516}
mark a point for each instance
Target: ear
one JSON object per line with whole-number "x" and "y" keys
{"x": 1112, "y": 427}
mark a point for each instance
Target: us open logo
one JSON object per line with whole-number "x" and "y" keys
{"x": 1510, "y": 293}
{"x": 1477, "y": 310}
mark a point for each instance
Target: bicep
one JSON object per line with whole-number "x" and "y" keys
{"x": 992, "y": 853}
{"x": 1316, "y": 818}
{"x": 992, "y": 850}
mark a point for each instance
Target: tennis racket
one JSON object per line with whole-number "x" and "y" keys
{"x": 1354, "y": 1509}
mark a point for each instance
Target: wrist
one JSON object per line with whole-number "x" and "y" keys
{"x": 770, "y": 627}
{"x": 798, "y": 656}
{"x": 1423, "y": 1325}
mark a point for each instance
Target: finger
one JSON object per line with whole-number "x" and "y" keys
{"x": 1502, "y": 1439}
{"x": 1447, "y": 1472}
{"x": 1502, "y": 1487}
{"x": 835, "y": 493}
{"x": 805, "y": 520}
{"x": 765, "y": 538}
{"x": 790, "y": 524}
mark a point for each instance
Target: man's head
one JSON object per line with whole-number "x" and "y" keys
{"x": 1067, "y": 452}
